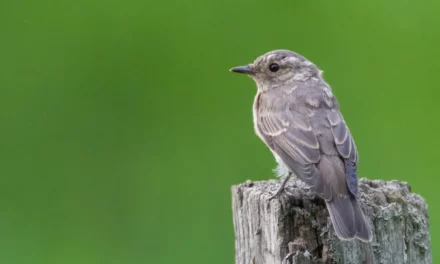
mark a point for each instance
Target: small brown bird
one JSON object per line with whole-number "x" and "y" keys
{"x": 298, "y": 118}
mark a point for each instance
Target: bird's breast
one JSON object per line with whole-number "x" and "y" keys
{"x": 255, "y": 116}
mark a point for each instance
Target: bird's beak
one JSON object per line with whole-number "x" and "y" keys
{"x": 242, "y": 69}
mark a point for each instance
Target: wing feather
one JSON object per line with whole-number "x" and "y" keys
{"x": 293, "y": 139}
{"x": 291, "y": 135}
{"x": 346, "y": 148}
{"x": 342, "y": 136}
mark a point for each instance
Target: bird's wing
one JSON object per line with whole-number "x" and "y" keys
{"x": 291, "y": 137}
{"x": 346, "y": 147}
{"x": 323, "y": 155}
{"x": 342, "y": 136}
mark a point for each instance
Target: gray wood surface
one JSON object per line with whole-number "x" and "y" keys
{"x": 296, "y": 227}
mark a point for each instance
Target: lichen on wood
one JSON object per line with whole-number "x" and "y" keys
{"x": 296, "y": 228}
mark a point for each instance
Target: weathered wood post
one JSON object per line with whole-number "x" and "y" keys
{"x": 296, "y": 228}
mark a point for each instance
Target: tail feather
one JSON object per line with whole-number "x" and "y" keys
{"x": 347, "y": 218}
{"x": 363, "y": 229}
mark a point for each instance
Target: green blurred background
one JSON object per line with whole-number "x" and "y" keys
{"x": 123, "y": 130}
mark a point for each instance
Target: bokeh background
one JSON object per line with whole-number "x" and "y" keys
{"x": 122, "y": 129}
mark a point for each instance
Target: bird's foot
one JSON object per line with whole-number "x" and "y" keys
{"x": 281, "y": 188}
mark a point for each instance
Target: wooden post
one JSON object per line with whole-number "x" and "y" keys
{"x": 296, "y": 227}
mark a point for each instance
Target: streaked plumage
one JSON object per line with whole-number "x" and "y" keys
{"x": 297, "y": 116}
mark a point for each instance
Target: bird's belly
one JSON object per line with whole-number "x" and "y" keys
{"x": 281, "y": 170}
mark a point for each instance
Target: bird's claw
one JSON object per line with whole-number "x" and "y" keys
{"x": 277, "y": 193}
{"x": 280, "y": 189}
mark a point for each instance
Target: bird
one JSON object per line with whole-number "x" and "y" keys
{"x": 296, "y": 114}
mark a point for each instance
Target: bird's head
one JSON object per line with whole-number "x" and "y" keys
{"x": 279, "y": 68}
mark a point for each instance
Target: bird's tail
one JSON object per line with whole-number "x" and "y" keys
{"x": 348, "y": 219}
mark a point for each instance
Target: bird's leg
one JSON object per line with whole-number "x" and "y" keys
{"x": 281, "y": 188}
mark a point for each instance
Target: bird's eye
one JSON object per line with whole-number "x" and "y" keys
{"x": 273, "y": 67}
